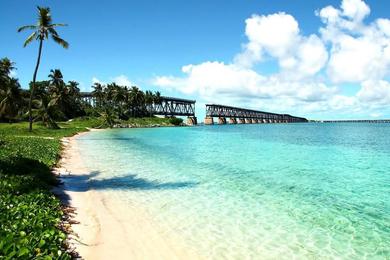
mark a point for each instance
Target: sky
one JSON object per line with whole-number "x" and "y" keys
{"x": 320, "y": 59}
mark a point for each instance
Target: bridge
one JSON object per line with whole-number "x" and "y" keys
{"x": 168, "y": 106}
{"x": 238, "y": 115}
{"x": 357, "y": 121}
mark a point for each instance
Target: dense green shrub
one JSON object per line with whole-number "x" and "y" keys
{"x": 176, "y": 121}
{"x": 29, "y": 212}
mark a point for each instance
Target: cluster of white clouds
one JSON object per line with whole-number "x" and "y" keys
{"x": 312, "y": 69}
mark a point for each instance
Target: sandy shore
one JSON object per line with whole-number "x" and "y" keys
{"x": 109, "y": 229}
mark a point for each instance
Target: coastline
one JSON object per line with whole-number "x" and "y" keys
{"x": 105, "y": 227}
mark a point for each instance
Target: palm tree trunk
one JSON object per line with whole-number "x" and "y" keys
{"x": 33, "y": 85}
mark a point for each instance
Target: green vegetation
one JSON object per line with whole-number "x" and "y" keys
{"x": 41, "y": 32}
{"x": 55, "y": 100}
{"x": 29, "y": 213}
{"x": 175, "y": 121}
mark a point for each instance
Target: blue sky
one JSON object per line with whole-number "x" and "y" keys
{"x": 147, "y": 42}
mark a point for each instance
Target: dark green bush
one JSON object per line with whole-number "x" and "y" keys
{"x": 175, "y": 121}
{"x": 29, "y": 212}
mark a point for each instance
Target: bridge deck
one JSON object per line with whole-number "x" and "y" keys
{"x": 222, "y": 111}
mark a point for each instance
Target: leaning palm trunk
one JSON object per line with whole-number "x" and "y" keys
{"x": 30, "y": 118}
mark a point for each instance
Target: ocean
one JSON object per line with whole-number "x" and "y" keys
{"x": 260, "y": 191}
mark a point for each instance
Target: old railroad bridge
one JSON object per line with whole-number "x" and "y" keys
{"x": 170, "y": 106}
{"x": 246, "y": 116}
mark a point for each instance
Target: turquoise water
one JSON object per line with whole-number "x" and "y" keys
{"x": 266, "y": 191}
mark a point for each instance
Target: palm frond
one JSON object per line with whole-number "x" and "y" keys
{"x": 30, "y": 39}
{"x": 32, "y": 27}
{"x": 52, "y": 31}
{"x": 60, "y": 41}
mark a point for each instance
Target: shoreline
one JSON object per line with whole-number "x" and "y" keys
{"x": 104, "y": 227}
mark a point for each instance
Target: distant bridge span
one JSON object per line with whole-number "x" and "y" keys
{"x": 246, "y": 116}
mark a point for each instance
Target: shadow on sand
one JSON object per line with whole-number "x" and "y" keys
{"x": 85, "y": 182}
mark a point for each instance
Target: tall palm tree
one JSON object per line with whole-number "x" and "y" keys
{"x": 136, "y": 99}
{"x": 44, "y": 105}
{"x": 56, "y": 81}
{"x": 98, "y": 94}
{"x": 149, "y": 100}
{"x": 6, "y": 66}
{"x": 42, "y": 30}
{"x": 11, "y": 99}
{"x": 73, "y": 89}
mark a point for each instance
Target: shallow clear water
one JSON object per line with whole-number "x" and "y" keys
{"x": 303, "y": 191}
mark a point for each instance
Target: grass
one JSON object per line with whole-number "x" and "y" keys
{"x": 29, "y": 213}
{"x": 150, "y": 121}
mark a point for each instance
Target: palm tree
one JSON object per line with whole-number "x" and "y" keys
{"x": 42, "y": 30}
{"x": 10, "y": 99}
{"x": 136, "y": 99}
{"x": 73, "y": 89}
{"x": 98, "y": 94}
{"x": 56, "y": 81}
{"x": 6, "y": 66}
{"x": 149, "y": 100}
{"x": 44, "y": 106}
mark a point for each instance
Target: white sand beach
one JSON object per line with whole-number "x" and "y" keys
{"x": 109, "y": 229}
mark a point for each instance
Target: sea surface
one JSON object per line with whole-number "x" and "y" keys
{"x": 264, "y": 191}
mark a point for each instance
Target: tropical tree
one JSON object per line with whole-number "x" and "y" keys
{"x": 6, "y": 66}
{"x": 56, "y": 81}
{"x": 11, "y": 99}
{"x": 42, "y": 30}
{"x": 57, "y": 89}
{"x": 149, "y": 100}
{"x": 157, "y": 97}
{"x": 73, "y": 89}
{"x": 136, "y": 100}
{"x": 10, "y": 92}
{"x": 44, "y": 105}
{"x": 98, "y": 94}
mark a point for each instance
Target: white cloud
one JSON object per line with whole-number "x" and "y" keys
{"x": 356, "y": 10}
{"x": 122, "y": 80}
{"x": 312, "y": 68}
{"x": 375, "y": 92}
{"x": 278, "y": 36}
{"x": 359, "y": 51}
{"x": 96, "y": 80}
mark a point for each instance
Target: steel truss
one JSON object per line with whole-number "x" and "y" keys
{"x": 213, "y": 110}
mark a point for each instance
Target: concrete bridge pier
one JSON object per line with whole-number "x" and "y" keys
{"x": 232, "y": 120}
{"x": 255, "y": 121}
{"x": 241, "y": 121}
{"x": 208, "y": 120}
{"x": 248, "y": 121}
{"x": 221, "y": 120}
{"x": 192, "y": 120}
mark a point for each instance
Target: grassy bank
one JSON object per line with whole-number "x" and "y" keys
{"x": 29, "y": 213}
